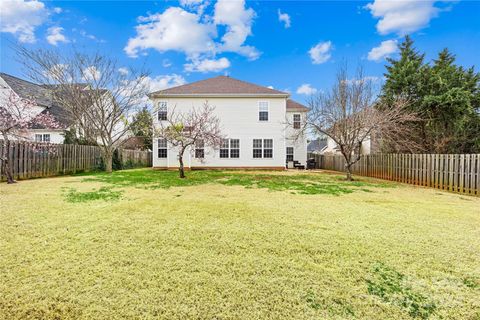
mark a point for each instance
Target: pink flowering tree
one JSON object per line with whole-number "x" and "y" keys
{"x": 17, "y": 115}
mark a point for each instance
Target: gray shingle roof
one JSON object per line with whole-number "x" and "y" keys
{"x": 221, "y": 85}
{"x": 28, "y": 90}
{"x": 42, "y": 97}
{"x": 317, "y": 145}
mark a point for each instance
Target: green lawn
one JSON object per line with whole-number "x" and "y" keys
{"x": 236, "y": 245}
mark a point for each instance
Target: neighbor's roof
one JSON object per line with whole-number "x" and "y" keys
{"x": 294, "y": 105}
{"x": 29, "y": 90}
{"x": 317, "y": 145}
{"x": 42, "y": 97}
{"x": 218, "y": 86}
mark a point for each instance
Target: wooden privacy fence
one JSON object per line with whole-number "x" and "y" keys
{"x": 136, "y": 158}
{"x": 35, "y": 160}
{"x": 453, "y": 172}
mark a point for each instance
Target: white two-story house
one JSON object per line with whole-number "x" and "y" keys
{"x": 259, "y": 124}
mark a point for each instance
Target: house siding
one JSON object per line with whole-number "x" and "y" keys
{"x": 239, "y": 120}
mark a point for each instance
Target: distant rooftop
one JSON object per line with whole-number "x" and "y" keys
{"x": 221, "y": 85}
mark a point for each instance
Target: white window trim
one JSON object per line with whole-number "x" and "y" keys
{"x": 293, "y": 118}
{"x": 293, "y": 153}
{"x": 230, "y": 148}
{"x": 196, "y": 147}
{"x": 268, "y": 110}
{"x": 159, "y": 108}
{"x": 263, "y": 148}
{"x": 42, "y": 137}
{"x": 166, "y": 148}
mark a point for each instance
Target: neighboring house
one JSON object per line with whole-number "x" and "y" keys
{"x": 44, "y": 103}
{"x": 368, "y": 147}
{"x": 317, "y": 146}
{"x": 253, "y": 119}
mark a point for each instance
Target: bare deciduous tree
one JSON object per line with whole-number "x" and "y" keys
{"x": 349, "y": 114}
{"x": 17, "y": 115}
{"x": 99, "y": 95}
{"x": 184, "y": 130}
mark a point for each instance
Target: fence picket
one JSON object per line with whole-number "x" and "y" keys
{"x": 453, "y": 172}
{"x": 32, "y": 160}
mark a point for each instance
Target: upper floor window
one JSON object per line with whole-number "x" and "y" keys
{"x": 263, "y": 111}
{"x": 162, "y": 148}
{"x": 230, "y": 148}
{"x": 263, "y": 148}
{"x": 42, "y": 137}
{"x": 296, "y": 121}
{"x": 162, "y": 110}
{"x": 200, "y": 149}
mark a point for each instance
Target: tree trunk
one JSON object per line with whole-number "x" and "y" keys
{"x": 108, "y": 159}
{"x": 349, "y": 173}
{"x": 348, "y": 166}
{"x": 5, "y": 163}
{"x": 181, "y": 170}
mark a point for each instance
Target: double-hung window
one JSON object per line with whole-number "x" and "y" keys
{"x": 162, "y": 110}
{"x": 200, "y": 149}
{"x": 262, "y": 148}
{"x": 296, "y": 121}
{"x": 263, "y": 111}
{"x": 230, "y": 148}
{"x": 289, "y": 153}
{"x": 162, "y": 148}
{"x": 42, "y": 137}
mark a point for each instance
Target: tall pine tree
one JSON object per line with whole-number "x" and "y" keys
{"x": 452, "y": 103}
{"x": 445, "y": 96}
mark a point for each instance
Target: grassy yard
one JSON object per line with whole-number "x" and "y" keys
{"x": 236, "y": 245}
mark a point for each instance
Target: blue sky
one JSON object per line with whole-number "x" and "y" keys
{"x": 290, "y": 45}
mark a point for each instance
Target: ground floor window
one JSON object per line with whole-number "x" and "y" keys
{"x": 230, "y": 148}
{"x": 162, "y": 148}
{"x": 262, "y": 148}
{"x": 42, "y": 137}
{"x": 200, "y": 149}
{"x": 289, "y": 153}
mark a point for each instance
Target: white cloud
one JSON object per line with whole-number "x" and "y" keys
{"x": 285, "y": 18}
{"x": 57, "y": 10}
{"x": 306, "y": 89}
{"x": 195, "y": 34}
{"x": 270, "y": 87}
{"x": 238, "y": 20}
{"x": 58, "y": 71}
{"x": 402, "y": 17}
{"x": 21, "y": 18}
{"x": 166, "y": 63}
{"x": 207, "y": 65}
{"x": 385, "y": 49}
{"x": 54, "y": 36}
{"x": 164, "y": 82}
{"x": 187, "y": 3}
{"x": 91, "y": 74}
{"x": 83, "y": 33}
{"x": 366, "y": 79}
{"x": 174, "y": 29}
{"x": 321, "y": 52}
{"x": 123, "y": 71}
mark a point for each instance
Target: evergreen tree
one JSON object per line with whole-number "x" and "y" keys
{"x": 142, "y": 126}
{"x": 445, "y": 96}
{"x": 452, "y": 105}
{"x": 404, "y": 76}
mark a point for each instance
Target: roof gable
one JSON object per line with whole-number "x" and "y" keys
{"x": 28, "y": 90}
{"x": 295, "y": 106}
{"x": 221, "y": 85}
{"x": 41, "y": 95}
